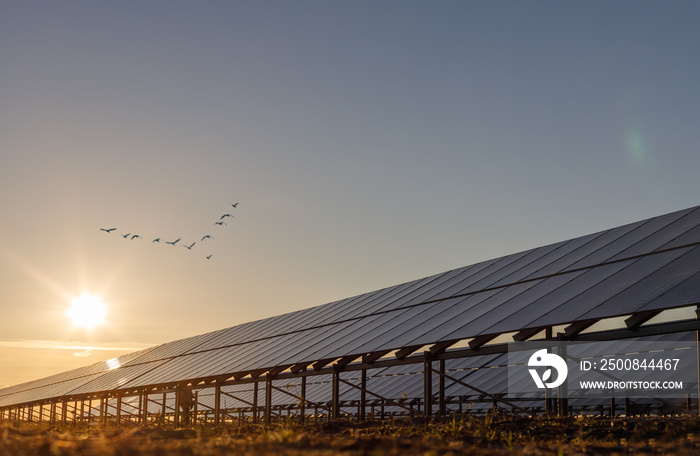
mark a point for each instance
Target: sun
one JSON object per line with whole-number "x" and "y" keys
{"x": 87, "y": 311}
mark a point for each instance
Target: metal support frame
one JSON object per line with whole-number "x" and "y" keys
{"x": 217, "y": 404}
{"x": 335, "y": 393}
{"x": 427, "y": 384}
{"x": 83, "y": 407}
{"x": 268, "y": 399}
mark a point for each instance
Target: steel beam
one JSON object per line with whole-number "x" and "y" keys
{"x": 427, "y": 384}
{"x": 268, "y": 399}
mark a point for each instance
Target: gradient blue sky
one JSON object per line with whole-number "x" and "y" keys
{"x": 368, "y": 142}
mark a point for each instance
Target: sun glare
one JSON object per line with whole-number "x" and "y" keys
{"x": 87, "y": 311}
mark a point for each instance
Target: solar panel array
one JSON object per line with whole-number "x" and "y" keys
{"x": 648, "y": 265}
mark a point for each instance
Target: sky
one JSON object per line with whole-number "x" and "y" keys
{"x": 368, "y": 143}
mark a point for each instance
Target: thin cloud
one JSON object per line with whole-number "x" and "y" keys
{"x": 82, "y": 348}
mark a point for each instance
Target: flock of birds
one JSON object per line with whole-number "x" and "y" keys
{"x": 131, "y": 236}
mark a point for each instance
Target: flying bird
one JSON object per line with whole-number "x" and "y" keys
{"x": 209, "y": 256}
{"x": 208, "y": 236}
{"x": 107, "y": 230}
{"x": 174, "y": 242}
{"x": 156, "y": 240}
{"x": 135, "y": 236}
{"x": 189, "y": 247}
{"x": 126, "y": 235}
{"x": 234, "y": 205}
{"x": 226, "y": 215}
{"x": 220, "y": 223}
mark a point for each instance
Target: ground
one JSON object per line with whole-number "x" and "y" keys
{"x": 499, "y": 435}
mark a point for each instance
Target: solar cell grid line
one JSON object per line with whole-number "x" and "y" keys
{"x": 506, "y": 273}
{"x": 114, "y": 379}
{"x": 302, "y": 319}
{"x": 691, "y": 236}
{"x": 374, "y": 335}
{"x": 299, "y": 346}
{"x": 590, "y": 244}
{"x": 171, "y": 370}
{"x": 648, "y": 288}
{"x": 313, "y": 349}
{"x": 684, "y": 294}
{"x": 488, "y": 305}
{"x": 226, "y": 339}
{"x": 424, "y": 294}
{"x": 646, "y": 229}
{"x": 44, "y": 392}
{"x": 429, "y": 294}
{"x": 319, "y": 315}
{"x": 171, "y": 348}
{"x": 497, "y": 308}
{"x": 565, "y": 249}
{"x": 340, "y": 314}
{"x": 378, "y": 302}
{"x": 492, "y": 322}
{"x": 663, "y": 236}
{"x": 615, "y": 283}
{"x": 244, "y": 358}
{"x": 288, "y": 347}
{"x": 535, "y": 315}
{"x": 360, "y": 333}
{"x": 382, "y": 339}
{"x": 494, "y": 266}
{"x": 243, "y": 333}
{"x": 328, "y": 315}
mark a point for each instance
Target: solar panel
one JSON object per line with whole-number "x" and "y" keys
{"x": 648, "y": 265}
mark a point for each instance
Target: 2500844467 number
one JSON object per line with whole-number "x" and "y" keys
{"x": 627, "y": 364}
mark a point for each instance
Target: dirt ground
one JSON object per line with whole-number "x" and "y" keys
{"x": 499, "y": 435}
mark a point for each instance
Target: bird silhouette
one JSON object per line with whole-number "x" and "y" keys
{"x": 234, "y": 205}
{"x": 208, "y": 236}
{"x": 108, "y": 230}
{"x": 174, "y": 242}
{"x": 209, "y": 256}
{"x": 135, "y": 236}
{"x": 126, "y": 235}
{"x": 220, "y": 223}
{"x": 225, "y": 215}
{"x": 156, "y": 240}
{"x": 189, "y": 247}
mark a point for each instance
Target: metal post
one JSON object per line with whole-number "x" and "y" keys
{"x": 195, "y": 409}
{"x": 442, "y": 406}
{"x": 217, "y": 404}
{"x": 335, "y": 392}
{"x": 363, "y": 394}
{"x": 302, "y": 410}
{"x": 255, "y": 402}
{"x": 178, "y": 401}
{"x": 145, "y": 408}
{"x": 119, "y": 409}
{"x": 612, "y": 406}
{"x": 627, "y": 406}
{"x": 268, "y": 399}
{"x": 427, "y": 384}
{"x": 163, "y": 409}
{"x": 64, "y": 408}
